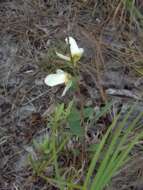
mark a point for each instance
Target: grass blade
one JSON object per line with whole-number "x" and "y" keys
{"x": 97, "y": 154}
{"x": 98, "y": 177}
{"x": 114, "y": 160}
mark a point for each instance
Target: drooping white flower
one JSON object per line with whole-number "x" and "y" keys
{"x": 75, "y": 51}
{"x": 60, "y": 77}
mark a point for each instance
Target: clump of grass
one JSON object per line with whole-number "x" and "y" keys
{"x": 98, "y": 167}
{"x": 115, "y": 156}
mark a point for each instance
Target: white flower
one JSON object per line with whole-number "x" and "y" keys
{"x": 76, "y": 52}
{"x": 60, "y": 77}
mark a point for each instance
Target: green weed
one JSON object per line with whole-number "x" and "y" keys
{"x": 64, "y": 142}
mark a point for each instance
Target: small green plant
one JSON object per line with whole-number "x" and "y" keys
{"x": 116, "y": 153}
{"x": 107, "y": 158}
{"x": 47, "y": 146}
{"x": 64, "y": 158}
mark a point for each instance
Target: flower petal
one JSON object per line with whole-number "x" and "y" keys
{"x": 67, "y": 87}
{"x": 73, "y": 45}
{"x": 81, "y": 51}
{"x": 55, "y": 79}
{"x": 66, "y": 58}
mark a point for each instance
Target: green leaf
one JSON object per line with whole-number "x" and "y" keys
{"x": 74, "y": 115}
{"x": 76, "y": 128}
{"x": 88, "y": 112}
{"x": 93, "y": 147}
{"x": 74, "y": 84}
{"x": 74, "y": 123}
